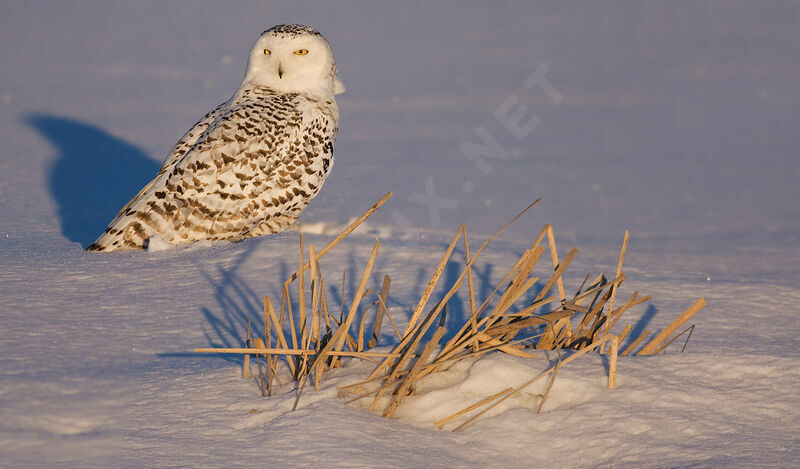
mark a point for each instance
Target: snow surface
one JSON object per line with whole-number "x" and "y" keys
{"x": 676, "y": 120}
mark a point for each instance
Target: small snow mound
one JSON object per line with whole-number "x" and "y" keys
{"x": 157, "y": 243}
{"x": 445, "y": 392}
{"x": 67, "y": 425}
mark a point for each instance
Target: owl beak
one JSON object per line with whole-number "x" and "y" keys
{"x": 280, "y": 71}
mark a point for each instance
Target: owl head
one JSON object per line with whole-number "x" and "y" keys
{"x": 293, "y": 58}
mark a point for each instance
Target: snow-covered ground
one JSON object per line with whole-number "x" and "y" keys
{"x": 676, "y": 120}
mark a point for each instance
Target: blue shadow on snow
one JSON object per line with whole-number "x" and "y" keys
{"x": 94, "y": 175}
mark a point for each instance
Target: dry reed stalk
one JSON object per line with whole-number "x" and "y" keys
{"x": 580, "y": 288}
{"x": 345, "y": 328}
{"x": 471, "y": 290}
{"x": 551, "y": 239}
{"x": 514, "y": 278}
{"x": 350, "y": 228}
{"x": 356, "y": 399}
{"x": 417, "y": 334}
{"x": 324, "y": 299}
{"x": 335, "y": 360}
{"x": 482, "y": 332}
{"x": 595, "y": 315}
{"x": 670, "y": 341}
{"x": 540, "y": 237}
{"x": 279, "y": 333}
{"x": 548, "y": 340}
{"x": 246, "y": 362}
{"x": 315, "y": 293}
{"x": 388, "y": 315}
{"x": 584, "y": 332}
{"x": 515, "y": 351}
{"x": 549, "y": 335}
{"x": 653, "y": 344}
{"x": 543, "y": 374}
{"x": 565, "y": 333}
{"x": 625, "y": 332}
{"x": 608, "y": 325}
{"x": 612, "y": 363}
{"x": 549, "y": 384}
{"x": 300, "y": 388}
{"x": 439, "y": 362}
{"x": 361, "y": 325}
{"x": 299, "y": 352}
{"x": 432, "y": 283}
{"x": 578, "y": 308}
{"x": 376, "y": 327}
{"x": 462, "y": 339}
{"x": 691, "y": 329}
{"x": 268, "y": 344}
{"x": 529, "y": 310}
{"x": 337, "y": 340}
{"x": 636, "y": 342}
{"x": 520, "y": 283}
{"x": 301, "y": 294}
{"x": 410, "y": 348}
{"x": 499, "y": 330}
{"x": 472, "y": 261}
{"x": 415, "y": 370}
{"x": 478, "y": 404}
{"x": 457, "y": 341}
{"x": 262, "y": 382}
{"x": 634, "y": 300}
{"x": 562, "y": 266}
{"x": 341, "y": 311}
{"x": 598, "y": 325}
{"x": 349, "y": 340}
{"x": 500, "y": 315}
{"x": 597, "y": 286}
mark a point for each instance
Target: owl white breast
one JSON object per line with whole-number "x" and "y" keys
{"x": 250, "y": 166}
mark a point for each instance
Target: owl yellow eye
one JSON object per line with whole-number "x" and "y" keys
{"x": 267, "y": 52}
{"x": 301, "y": 51}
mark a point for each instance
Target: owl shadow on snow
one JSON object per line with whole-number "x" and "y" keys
{"x": 94, "y": 175}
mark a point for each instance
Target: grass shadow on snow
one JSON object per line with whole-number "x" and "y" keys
{"x": 641, "y": 325}
{"x": 94, "y": 175}
{"x": 236, "y": 303}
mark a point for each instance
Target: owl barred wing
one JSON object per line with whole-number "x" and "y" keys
{"x": 251, "y": 172}
{"x": 181, "y": 148}
{"x": 192, "y": 136}
{"x": 257, "y": 168}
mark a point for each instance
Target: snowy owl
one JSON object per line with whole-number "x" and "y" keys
{"x": 250, "y": 166}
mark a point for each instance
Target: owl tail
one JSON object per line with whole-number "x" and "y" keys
{"x": 124, "y": 234}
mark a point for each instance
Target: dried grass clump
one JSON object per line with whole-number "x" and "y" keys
{"x": 580, "y": 323}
